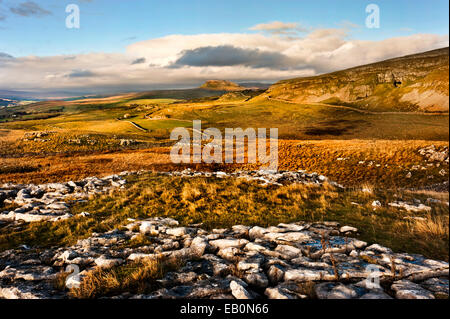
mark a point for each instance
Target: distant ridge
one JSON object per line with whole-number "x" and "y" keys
{"x": 418, "y": 82}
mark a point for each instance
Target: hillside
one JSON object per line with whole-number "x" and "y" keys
{"x": 221, "y": 85}
{"x": 418, "y": 82}
{"x": 244, "y": 95}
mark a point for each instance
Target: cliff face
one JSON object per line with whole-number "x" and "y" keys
{"x": 417, "y": 82}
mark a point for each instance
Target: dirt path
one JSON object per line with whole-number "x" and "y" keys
{"x": 137, "y": 126}
{"x": 356, "y": 109}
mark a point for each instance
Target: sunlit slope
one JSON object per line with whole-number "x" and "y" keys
{"x": 417, "y": 82}
{"x": 311, "y": 121}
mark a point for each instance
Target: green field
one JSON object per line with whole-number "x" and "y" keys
{"x": 294, "y": 121}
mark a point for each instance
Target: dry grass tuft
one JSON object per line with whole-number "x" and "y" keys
{"x": 138, "y": 278}
{"x": 432, "y": 227}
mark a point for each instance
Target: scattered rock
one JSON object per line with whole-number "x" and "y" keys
{"x": 47, "y": 202}
{"x": 264, "y": 177}
{"x": 288, "y": 252}
{"x": 257, "y": 279}
{"x": 376, "y": 204}
{"x": 434, "y": 155}
{"x": 438, "y": 286}
{"x": 348, "y": 229}
{"x": 226, "y": 243}
{"x": 376, "y": 295}
{"x": 278, "y": 293}
{"x": 105, "y": 262}
{"x": 275, "y": 274}
{"x": 238, "y": 291}
{"x": 411, "y": 207}
{"x": 405, "y": 289}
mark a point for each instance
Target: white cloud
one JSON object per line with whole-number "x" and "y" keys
{"x": 348, "y": 25}
{"x": 406, "y": 29}
{"x": 278, "y": 27}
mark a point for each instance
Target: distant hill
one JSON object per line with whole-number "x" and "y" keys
{"x": 222, "y": 85}
{"x": 182, "y": 94}
{"x": 244, "y": 95}
{"x": 418, "y": 82}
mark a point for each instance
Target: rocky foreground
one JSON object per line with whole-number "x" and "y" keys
{"x": 242, "y": 262}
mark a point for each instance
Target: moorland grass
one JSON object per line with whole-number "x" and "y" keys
{"x": 218, "y": 203}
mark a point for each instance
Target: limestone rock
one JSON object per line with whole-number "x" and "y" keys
{"x": 226, "y": 243}
{"x": 238, "y": 291}
{"x": 405, "y": 289}
{"x": 105, "y": 262}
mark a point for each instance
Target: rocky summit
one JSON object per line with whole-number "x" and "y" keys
{"x": 242, "y": 262}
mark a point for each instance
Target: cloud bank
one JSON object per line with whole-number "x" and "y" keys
{"x": 188, "y": 60}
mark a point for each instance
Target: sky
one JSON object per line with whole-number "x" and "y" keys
{"x": 143, "y": 44}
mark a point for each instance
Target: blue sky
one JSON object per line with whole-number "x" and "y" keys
{"x": 127, "y": 45}
{"x": 110, "y": 25}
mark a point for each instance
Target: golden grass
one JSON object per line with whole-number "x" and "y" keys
{"x": 136, "y": 277}
{"x": 59, "y": 168}
{"x": 219, "y": 203}
{"x": 390, "y": 162}
{"x": 149, "y": 102}
{"x": 432, "y": 227}
{"x": 356, "y": 162}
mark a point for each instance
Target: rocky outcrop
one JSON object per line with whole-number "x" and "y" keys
{"x": 263, "y": 177}
{"x": 242, "y": 262}
{"x": 51, "y": 202}
{"x": 434, "y": 155}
